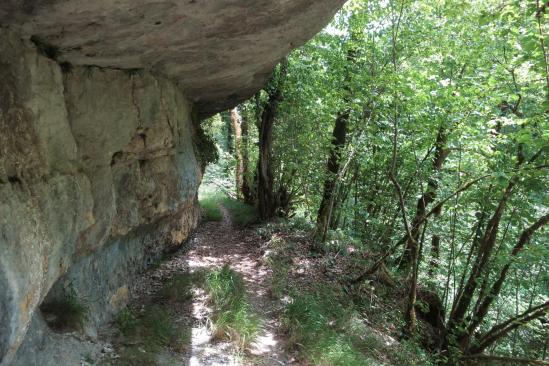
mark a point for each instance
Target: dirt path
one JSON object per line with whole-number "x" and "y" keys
{"x": 214, "y": 245}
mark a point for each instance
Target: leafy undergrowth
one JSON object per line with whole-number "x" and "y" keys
{"x": 232, "y": 317}
{"x": 328, "y": 323}
{"x": 209, "y": 204}
{"x": 241, "y": 213}
{"x": 147, "y": 332}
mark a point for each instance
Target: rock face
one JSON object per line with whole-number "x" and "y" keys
{"x": 91, "y": 161}
{"x": 99, "y": 165}
{"x": 219, "y": 52}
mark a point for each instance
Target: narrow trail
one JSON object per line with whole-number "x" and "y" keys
{"x": 214, "y": 245}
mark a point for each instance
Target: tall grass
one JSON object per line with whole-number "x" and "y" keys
{"x": 233, "y": 317}
{"x": 209, "y": 205}
{"x": 316, "y": 325}
{"x": 178, "y": 288}
{"x": 322, "y": 324}
{"x": 149, "y": 332}
{"x": 154, "y": 329}
{"x": 241, "y": 213}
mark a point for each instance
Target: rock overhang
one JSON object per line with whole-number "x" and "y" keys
{"x": 218, "y": 52}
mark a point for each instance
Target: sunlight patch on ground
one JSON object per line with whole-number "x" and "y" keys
{"x": 217, "y": 244}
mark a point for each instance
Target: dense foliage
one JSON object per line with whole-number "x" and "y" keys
{"x": 423, "y": 126}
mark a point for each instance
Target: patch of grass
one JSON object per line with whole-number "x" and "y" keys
{"x": 326, "y": 330}
{"x": 158, "y": 328}
{"x": 88, "y": 357}
{"x": 153, "y": 329}
{"x": 242, "y": 214}
{"x": 233, "y": 317}
{"x": 68, "y": 314}
{"x": 127, "y": 322}
{"x": 325, "y": 323}
{"x": 279, "y": 280}
{"x": 316, "y": 324}
{"x": 210, "y": 207}
{"x": 178, "y": 288}
{"x": 280, "y": 262}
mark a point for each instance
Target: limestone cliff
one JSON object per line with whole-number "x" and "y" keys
{"x": 91, "y": 161}
{"x": 99, "y": 166}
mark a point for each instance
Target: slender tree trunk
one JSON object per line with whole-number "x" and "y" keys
{"x": 484, "y": 306}
{"x": 441, "y": 153}
{"x": 339, "y": 136}
{"x": 458, "y": 329}
{"x": 465, "y": 294}
{"x": 227, "y": 129}
{"x": 410, "y": 314}
{"x": 501, "y": 330}
{"x": 435, "y": 254}
{"x": 265, "y": 193}
{"x": 265, "y": 189}
{"x": 246, "y": 189}
{"x": 237, "y": 132}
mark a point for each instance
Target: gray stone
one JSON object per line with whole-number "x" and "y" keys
{"x": 219, "y": 52}
{"x": 97, "y": 174}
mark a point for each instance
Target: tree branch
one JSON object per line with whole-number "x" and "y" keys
{"x": 496, "y": 287}
{"x": 504, "y": 328}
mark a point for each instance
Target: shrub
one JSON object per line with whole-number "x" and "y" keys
{"x": 242, "y": 214}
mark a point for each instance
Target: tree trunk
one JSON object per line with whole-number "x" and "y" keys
{"x": 246, "y": 188}
{"x": 265, "y": 190}
{"x": 501, "y": 330}
{"x": 441, "y": 153}
{"x": 457, "y": 329}
{"x": 485, "y": 304}
{"x": 339, "y": 136}
{"x": 465, "y": 294}
{"x": 410, "y": 315}
{"x": 239, "y": 169}
{"x": 227, "y": 129}
{"x": 435, "y": 254}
